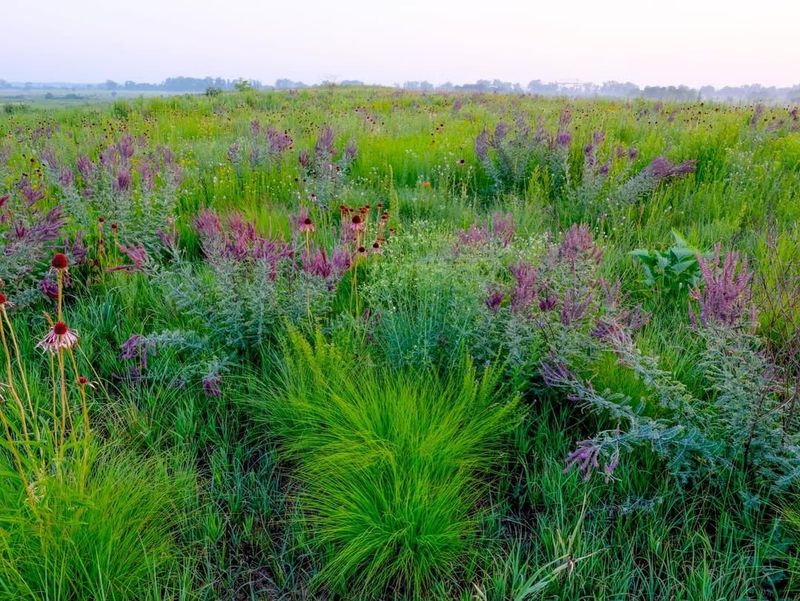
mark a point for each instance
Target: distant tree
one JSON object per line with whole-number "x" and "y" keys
{"x": 242, "y": 85}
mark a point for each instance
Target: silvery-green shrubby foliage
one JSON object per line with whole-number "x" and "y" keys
{"x": 240, "y": 297}
{"x": 129, "y": 185}
{"x": 737, "y": 428}
{"x": 325, "y": 169}
{"x": 29, "y": 234}
{"x": 544, "y": 310}
{"x": 249, "y": 283}
{"x": 264, "y": 147}
{"x": 426, "y": 293}
{"x": 511, "y": 156}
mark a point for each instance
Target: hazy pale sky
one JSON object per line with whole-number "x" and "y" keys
{"x": 693, "y": 42}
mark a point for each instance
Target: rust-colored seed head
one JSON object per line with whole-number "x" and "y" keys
{"x": 60, "y": 328}
{"x": 3, "y": 299}
{"x": 83, "y": 380}
{"x": 60, "y": 261}
{"x": 356, "y": 219}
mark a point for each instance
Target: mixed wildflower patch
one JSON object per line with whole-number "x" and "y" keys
{"x": 367, "y": 344}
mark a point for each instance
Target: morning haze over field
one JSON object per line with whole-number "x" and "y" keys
{"x": 420, "y": 301}
{"x": 690, "y": 42}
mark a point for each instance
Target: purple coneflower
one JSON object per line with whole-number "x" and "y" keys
{"x": 356, "y": 223}
{"x": 59, "y": 338}
{"x": 307, "y": 226}
{"x": 60, "y": 262}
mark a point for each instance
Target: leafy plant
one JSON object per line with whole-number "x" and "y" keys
{"x": 673, "y": 272}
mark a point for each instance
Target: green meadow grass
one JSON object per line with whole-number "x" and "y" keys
{"x": 338, "y": 465}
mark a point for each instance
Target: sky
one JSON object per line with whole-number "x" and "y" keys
{"x": 692, "y": 42}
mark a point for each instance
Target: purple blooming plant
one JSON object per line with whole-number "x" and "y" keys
{"x": 85, "y": 167}
{"x": 341, "y": 260}
{"x": 573, "y": 309}
{"x": 500, "y": 230}
{"x": 739, "y": 422}
{"x": 257, "y": 282}
{"x": 510, "y": 155}
{"x": 131, "y": 185}
{"x": 212, "y": 378}
{"x": 29, "y": 235}
{"x": 578, "y": 244}
{"x": 316, "y": 263}
{"x": 555, "y": 373}
{"x": 212, "y": 384}
{"x": 724, "y": 297}
{"x": 138, "y": 256}
{"x": 525, "y": 286}
{"x": 503, "y": 227}
{"x": 265, "y": 147}
{"x": 659, "y": 170}
{"x": 140, "y": 349}
{"x": 494, "y": 300}
{"x": 325, "y": 174}
{"x": 49, "y": 287}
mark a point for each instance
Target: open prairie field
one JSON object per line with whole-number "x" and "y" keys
{"x": 361, "y": 343}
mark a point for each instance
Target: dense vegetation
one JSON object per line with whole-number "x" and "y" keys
{"x": 371, "y": 344}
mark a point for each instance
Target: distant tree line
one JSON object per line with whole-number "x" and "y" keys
{"x": 617, "y": 89}
{"x": 573, "y": 88}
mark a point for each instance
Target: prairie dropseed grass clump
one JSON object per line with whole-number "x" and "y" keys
{"x": 431, "y": 443}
